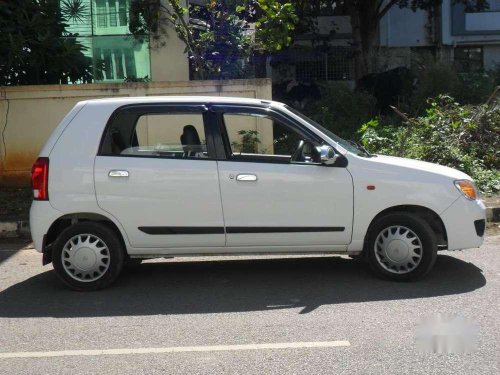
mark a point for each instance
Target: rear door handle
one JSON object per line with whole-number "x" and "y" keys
{"x": 246, "y": 177}
{"x": 118, "y": 173}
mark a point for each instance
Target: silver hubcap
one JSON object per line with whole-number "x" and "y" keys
{"x": 85, "y": 257}
{"x": 398, "y": 249}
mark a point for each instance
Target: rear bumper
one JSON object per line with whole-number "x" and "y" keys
{"x": 464, "y": 221}
{"x": 42, "y": 215}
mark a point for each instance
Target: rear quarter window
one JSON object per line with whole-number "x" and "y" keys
{"x": 172, "y": 134}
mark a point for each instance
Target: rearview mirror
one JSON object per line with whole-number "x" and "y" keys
{"x": 327, "y": 155}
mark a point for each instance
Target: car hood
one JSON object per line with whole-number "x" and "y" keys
{"x": 421, "y": 166}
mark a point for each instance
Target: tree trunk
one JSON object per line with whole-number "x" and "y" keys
{"x": 260, "y": 64}
{"x": 364, "y": 23}
{"x": 359, "y": 63}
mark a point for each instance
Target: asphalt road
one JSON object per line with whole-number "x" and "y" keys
{"x": 196, "y": 314}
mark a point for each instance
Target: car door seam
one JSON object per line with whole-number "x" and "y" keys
{"x": 221, "y": 204}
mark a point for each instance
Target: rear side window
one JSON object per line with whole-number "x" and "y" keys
{"x": 173, "y": 135}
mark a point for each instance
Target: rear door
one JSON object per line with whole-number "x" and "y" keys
{"x": 269, "y": 199}
{"x": 156, "y": 174}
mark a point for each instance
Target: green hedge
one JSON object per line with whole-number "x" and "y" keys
{"x": 465, "y": 137}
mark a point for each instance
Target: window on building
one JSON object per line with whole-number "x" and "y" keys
{"x": 101, "y": 13}
{"x": 469, "y": 59}
{"x": 102, "y": 27}
{"x": 111, "y": 16}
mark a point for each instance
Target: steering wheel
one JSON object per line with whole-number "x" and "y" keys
{"x": 298, "y": 155}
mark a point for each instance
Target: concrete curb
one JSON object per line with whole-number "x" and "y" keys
{"x": 21, "y": 228}
{"x": 15, "y": 229}
{"x": 493, "y": 214}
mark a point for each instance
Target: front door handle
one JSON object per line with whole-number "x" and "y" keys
{"x": 118, "y": 173}
{"x": 246, "y": 177}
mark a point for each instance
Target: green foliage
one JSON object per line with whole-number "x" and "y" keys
{"x": 475, "y": 88}
{"x": 215, "y": 46}
{"x": 442, "y": 79}
{"x": 35, "y": 47}
{"x": 285, "y": 142}
{"x": 341, "y": 110}
{"x": 365, "y": 17}
{"x": 275, "y": 25}
{"x": 217, "y": 41}
{"x": 75, "y": 11}
{"x": 462, "y": 137}
{"x": 224, "y": 45}
{"x": 133, "y": 79}
{"x": 436, "y": 79}
{"x": 249, "y": 142}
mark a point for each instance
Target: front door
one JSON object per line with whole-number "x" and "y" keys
{"x": 275, "y": 193}
{"x": 156, "y": 175}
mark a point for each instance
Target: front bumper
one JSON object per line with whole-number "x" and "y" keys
{"x": 463, "y": 221}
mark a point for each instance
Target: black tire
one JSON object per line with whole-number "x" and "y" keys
{"x": 424, "y": 233}
{"x": 108, "y": 237}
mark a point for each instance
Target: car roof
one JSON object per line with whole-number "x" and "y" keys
{"x": 114, "y": 101}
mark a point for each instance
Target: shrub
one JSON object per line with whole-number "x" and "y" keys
{"x": 341, "y": 110}
{"x": 442, "y": 79}
{"x": 462, "y": 137}
{"x": 475, "y": 88}
{"x": 249, "y": 142}
{"x": 436, "y": 79}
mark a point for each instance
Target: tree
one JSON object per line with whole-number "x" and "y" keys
{"x": 217, "y": 37}
{"x": 274, "y": 26}
{"x": 365, "y": 19}
{"x": 35, "y": 47}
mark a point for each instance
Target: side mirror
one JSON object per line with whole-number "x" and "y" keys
{"x": 327, "y": 155}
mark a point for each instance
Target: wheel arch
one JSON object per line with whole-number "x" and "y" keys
{"x": 68, "y": 220}
{"x": 430, "y": 216}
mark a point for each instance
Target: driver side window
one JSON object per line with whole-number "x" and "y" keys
{"x": 263, "y": 138}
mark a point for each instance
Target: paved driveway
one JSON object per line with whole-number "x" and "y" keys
{"x": 245, "y": 316}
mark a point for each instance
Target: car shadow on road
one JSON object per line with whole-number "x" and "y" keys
{"x": 9, "y": 247}
{"x": 233, "y": 286}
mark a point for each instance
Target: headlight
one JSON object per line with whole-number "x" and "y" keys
{"x": 467, "y": 188}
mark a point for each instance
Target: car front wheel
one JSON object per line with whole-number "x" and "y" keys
{"x": 88, "y": 256}
{"x": 401, "y": 246}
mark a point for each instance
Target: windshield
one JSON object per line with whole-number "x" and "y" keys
{"x": 342, "y": 142}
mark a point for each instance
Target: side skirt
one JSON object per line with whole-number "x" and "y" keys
{"x": 236, "y": 251}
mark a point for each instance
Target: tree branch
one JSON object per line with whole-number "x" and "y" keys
{"x": 385, "y": 9}
{"x": 174, "y": 16}
{"x": 399, "y": 113}
{"x": 379, "y": 6}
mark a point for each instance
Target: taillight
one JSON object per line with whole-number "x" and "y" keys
{"x": 40, "y": 179}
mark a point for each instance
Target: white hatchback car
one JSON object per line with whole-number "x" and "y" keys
{"x": 125, "y": 179}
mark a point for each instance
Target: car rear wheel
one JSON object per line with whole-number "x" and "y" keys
{"x": 88, "y": 256}
{"x": 401, "y": 247}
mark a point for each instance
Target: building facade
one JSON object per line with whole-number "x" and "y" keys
{"x": 454, "y": 31}
{"x": 473, "y": 36}
{"x": 102, "y": 26}
{"x": 451, "y": 32}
